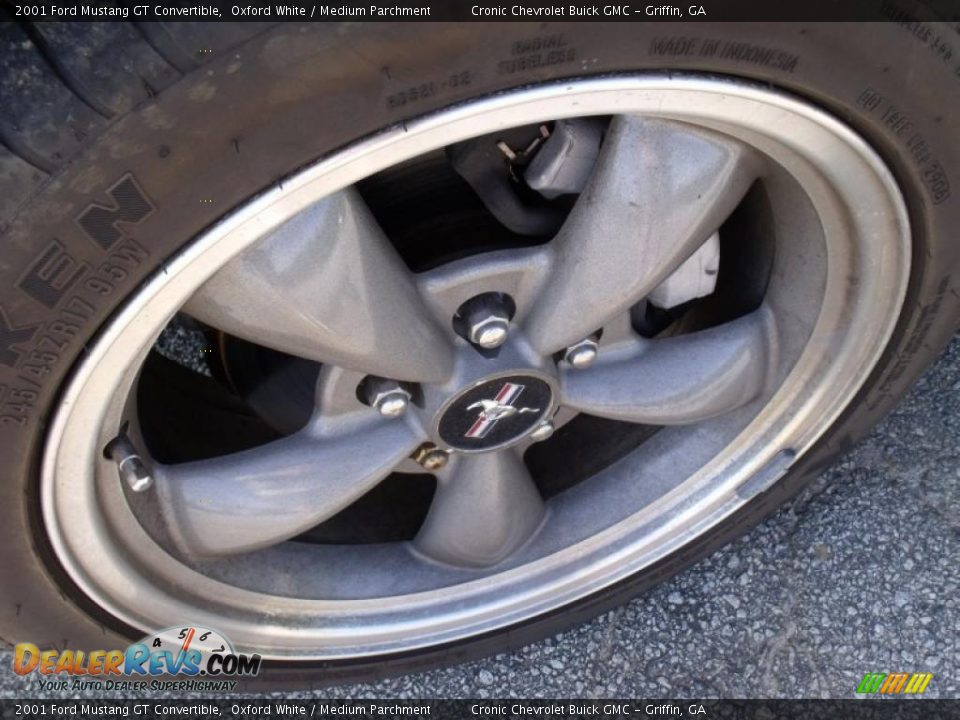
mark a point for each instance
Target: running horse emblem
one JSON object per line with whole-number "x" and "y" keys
{"x": 497, "y": 409}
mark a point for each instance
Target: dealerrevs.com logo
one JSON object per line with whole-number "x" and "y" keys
{"x": 184, "y": 653}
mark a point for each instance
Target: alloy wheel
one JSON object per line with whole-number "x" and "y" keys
{"x": 462, "y": 369}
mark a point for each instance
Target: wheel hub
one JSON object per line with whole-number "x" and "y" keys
{"x": 495, "y": 412}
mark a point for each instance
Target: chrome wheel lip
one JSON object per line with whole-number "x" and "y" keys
{"x": 723, "y": 486}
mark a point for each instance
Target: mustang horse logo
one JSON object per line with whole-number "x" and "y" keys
{"x": 493, "y": 411}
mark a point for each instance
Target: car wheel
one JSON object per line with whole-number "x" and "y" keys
{"x": 376, "y": 348}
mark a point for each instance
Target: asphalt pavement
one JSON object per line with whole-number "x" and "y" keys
{"x": 859, "y": 574}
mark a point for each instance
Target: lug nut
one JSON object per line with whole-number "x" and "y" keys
{"x": 486, "y": 320}
{"x": 435, "y": 459}
{"x": 543, "y": 431}
{"x": 387, "y": 397}
{"x": 393, "y": 403}
{"x": 129, "y": 464}
{"x": 582, "y": 354}
{"x": 431, "y": 457}
{"x": 490, "y": 332}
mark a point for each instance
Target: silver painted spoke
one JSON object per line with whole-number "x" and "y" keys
{"x": 678, "y": 380}
{"x": 259, "y": 497}
{"x": 658, "y": 191}
{"x": 328, "y": 286}
{"x": 485, "y": 508}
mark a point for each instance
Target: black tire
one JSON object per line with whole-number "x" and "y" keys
{"x": 223, "y": 111}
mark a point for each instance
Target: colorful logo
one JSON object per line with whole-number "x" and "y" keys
{"x": 894, "y": 683}
{"x": 187, "y": 651}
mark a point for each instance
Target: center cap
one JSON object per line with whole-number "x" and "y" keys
{"x": 495, "y": 413}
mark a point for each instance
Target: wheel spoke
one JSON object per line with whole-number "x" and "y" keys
{"x": 658, "y": 191}
{"x": 262, "y": 496}
{"x": 328, "y": 286}
{"x": 485, "y": 508}
{"x": 678, "y": 380}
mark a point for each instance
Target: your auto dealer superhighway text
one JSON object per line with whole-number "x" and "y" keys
{"x": 586, "y": 10}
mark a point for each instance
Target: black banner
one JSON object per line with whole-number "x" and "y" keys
{"x": 905, "y": 11}
{"x": 554, "y": 709}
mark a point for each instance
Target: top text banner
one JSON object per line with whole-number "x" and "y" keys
{"x": 902, "y": 11}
